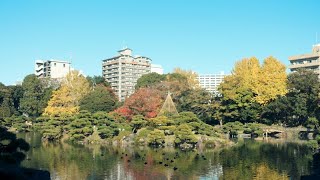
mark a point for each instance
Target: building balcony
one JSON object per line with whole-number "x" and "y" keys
{"x": 39, "y": 73}
{"x": 304, "y": 65}
{"x": 304, "y": 56}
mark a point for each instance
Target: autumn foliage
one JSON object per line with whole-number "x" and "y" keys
{"x": 145, "y": 101}
{"x": 65, "y": 100}
{"x": 266, "y": 82}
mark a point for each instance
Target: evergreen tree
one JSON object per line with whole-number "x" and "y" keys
{"x": 100, "y": 99}
{"x": 30, "y": 103}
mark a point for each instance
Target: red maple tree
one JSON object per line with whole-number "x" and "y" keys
{"x": 145, "y": 101}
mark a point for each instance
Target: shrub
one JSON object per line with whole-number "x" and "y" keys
{"x": 184, "y": 134}
{"x": 232, "y": 128}
{"x": 156, "y": 138}
{"x": 168, "y": 130}
{"x": 141, "y": 137}
{"x": 313, "y": 144}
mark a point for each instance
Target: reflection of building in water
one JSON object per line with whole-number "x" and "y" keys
{"x": 215, "y": 171}
{"x": 119, "y": 172}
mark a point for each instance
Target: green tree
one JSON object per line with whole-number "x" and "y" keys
{"x": 33, "y": 102}
{"x": 11, "y": 151}
{"x": 100, "y": 99}
{"x": 148, "y": 80}
{"x": 97, "y": 80}
{"x": 240, "y": 107}
{"x": 138, "y": 122}
{"x": 17, "y": 93}
{"x": 277, "y": 111}
{"x": 81, "y": 127}
{"x": 199, "y": 101}
{"x": 6, "y": 103}
{"x": 299, "y": 104}
{"x": 304, "y": 90}
{"x": 156, "y": 138}
{"x": 184, "y": 134}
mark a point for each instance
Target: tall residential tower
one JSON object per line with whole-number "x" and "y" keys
{"x": 123, "y": 71}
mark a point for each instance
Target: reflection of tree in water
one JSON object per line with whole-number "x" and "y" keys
{"x": 247, "y": 160}
{"x": 70, "y": 161}
{"x": 161, "y": 163}
{"x": 11, "y": 155}
{"x": 255, "y": 158}
{"x": 11, "y": 148}
{"x": 315, "y": 167}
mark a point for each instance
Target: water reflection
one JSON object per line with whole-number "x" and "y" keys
{"x": 247, "y": 160}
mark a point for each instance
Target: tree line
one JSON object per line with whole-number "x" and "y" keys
{"x": 252, "y": 93}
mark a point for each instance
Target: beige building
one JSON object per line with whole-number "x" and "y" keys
{"x": 53, "y": 69}
{"x": 123, "y": 71}
{"x": 310, "y": 61}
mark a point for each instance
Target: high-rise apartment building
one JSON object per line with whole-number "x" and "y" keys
{"x": 54, "y": 69}
{"x": 310, "y": 61}
{"x": 123, "y": 71}
{"x": 210, "y": 82}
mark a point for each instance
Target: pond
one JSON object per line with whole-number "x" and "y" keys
{"x": 248, "y": 159}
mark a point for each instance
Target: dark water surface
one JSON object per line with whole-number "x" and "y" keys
{"x": 247, "y": 160}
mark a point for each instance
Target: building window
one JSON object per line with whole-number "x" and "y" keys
{"x": 64, "y": 65}
{"x": 55, "y": 64}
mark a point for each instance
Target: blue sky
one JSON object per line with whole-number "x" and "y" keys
{"x": 207, "y": 36}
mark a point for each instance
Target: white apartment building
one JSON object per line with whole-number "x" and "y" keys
{"x": 210, "y": 82}
{"x": 54, "y": 69}
{"x": 156, "y": 68}
{"x": 123, "y": 71}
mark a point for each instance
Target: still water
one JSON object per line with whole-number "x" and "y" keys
{"x": 246, "y": 160}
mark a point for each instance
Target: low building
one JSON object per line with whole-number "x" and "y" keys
{"x": 53, "y": 69}
{"x": 123, "y": 71}
{"x": 310, "y": 61}
{"x": 156, "y": 68}
{"x": 210, "y": 82}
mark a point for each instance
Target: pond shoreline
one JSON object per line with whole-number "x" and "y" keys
{"x": 70, "y": 161}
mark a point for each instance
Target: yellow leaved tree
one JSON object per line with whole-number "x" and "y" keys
{"x": 272, "y": 81}
{"x": 191, "y": 76}
{"x": 266, "y": 82}
{"x": 244, "y": 76}
{"x": 247, "y": 72}
{"x": 65, "y": 100}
